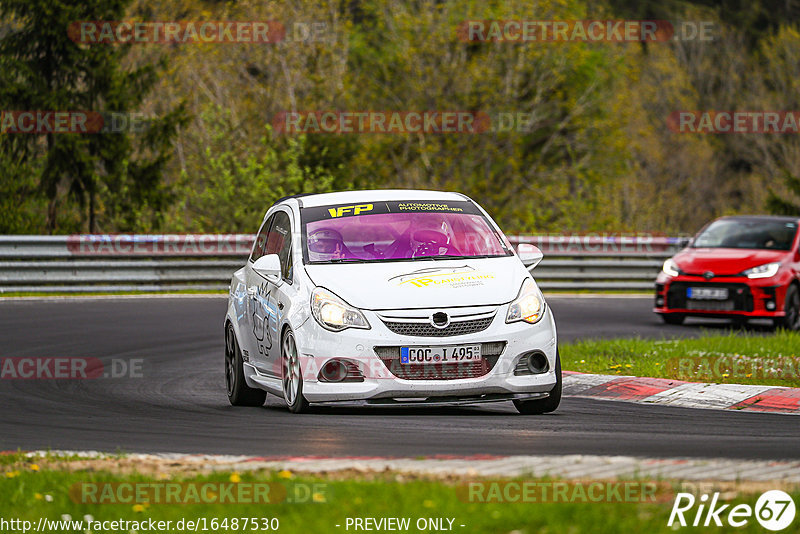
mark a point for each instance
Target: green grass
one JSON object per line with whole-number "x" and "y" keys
{"x": 28, "y": 492}
{"x": 736, "y": 358}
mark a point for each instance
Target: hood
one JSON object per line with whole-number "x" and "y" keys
{"x": 422, "y": 284}
{"x": 725, "y": 261}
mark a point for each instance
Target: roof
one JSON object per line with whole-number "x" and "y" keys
{"x": 777, "y": 218}
{"x": 374, "y": 195}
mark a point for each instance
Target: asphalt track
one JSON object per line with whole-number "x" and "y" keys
{"x": 179, "y": 403}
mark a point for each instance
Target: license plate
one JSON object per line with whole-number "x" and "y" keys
{"x": 446, "y": 354}
{"x": 707, "y": 293}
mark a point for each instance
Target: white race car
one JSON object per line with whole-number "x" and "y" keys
{"x": 388, "y": 298}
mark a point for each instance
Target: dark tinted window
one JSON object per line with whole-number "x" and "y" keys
{"x": 261, "y": 240}
{"x": 279, "y": 241}
{"x": 747, "y": 233}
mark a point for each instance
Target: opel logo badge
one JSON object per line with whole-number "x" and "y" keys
{"x": 440, "y": 320}
{"x": 708, "y": 275}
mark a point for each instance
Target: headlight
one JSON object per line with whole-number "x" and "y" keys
{"x": 671, "y": 268}
{"x": 767, "y": 270}
{"x": 333, "y": 313}
{"x": 529, "y": 305}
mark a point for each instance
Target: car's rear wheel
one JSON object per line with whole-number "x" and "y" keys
{"x": 292, "y": 375}
{"x": 239, "y": 393}
{"x": 791, "y": 321}
{"x": 673, "y": 318}
{"x": 549, "y": 404}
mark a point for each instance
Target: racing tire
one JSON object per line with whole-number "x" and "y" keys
{"x": 239, "y": 393}
{"x": 673, "y": 318}
{"x": 292, "y": 375}
{"x": 791, "y": 321}
{"x": 546, "y": 405}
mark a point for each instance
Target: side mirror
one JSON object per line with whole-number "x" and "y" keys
{"x": 529, "y": 254}
{"x": 268, "y": 266}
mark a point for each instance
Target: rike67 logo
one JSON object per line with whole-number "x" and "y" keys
{"x": 774, "y": 510}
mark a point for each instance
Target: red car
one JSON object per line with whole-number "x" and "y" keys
{"x": 736, "y": 267}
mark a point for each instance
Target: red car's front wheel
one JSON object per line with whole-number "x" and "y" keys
{"x": 790, "y": 321}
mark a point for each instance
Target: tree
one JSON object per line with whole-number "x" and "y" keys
{"x": 779, "y": 204}
{"x": 42, "y": 69}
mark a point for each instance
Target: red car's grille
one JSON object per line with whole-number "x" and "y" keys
{"x": 739, "y": 297}
{"x": 390, "y": 356}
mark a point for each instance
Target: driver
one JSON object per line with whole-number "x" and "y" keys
{"x": 327, "y": 243}
{"x": 430, "y": 236}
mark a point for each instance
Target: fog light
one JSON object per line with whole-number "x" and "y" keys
{"x": 770, "y": 305}
{"x": 659, "y": 301}
{"x": 532, "y": 363}
{"x": 340, "y": 370}
{"x": 537, "y": 363}
{"x": 333, "y": 371}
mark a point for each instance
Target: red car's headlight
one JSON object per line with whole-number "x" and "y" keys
{"x": 671, "y": 268}
{"x": 768, "y": 270}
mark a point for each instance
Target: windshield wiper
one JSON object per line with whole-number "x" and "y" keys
{"x": 342, "y": 260}
{"x": 448, "y": 257}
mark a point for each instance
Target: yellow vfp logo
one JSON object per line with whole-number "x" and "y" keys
{"x": 346, "y": 210}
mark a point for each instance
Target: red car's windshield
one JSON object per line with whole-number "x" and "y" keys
{"x": 747, "y": 233}
{"x": 396, "y": 231}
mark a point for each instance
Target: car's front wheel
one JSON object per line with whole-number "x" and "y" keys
{"x": 292, "y": 375}
{"x": 791, "y": 321}
{"x": 239, "y": 393}
{"x": 549, "y": 404}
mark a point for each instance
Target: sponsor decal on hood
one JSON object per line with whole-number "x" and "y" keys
{"x": 439, "y": 284}
{"x": 454, "y": 277}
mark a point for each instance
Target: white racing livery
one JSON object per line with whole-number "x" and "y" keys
{"x": 388, "y": 298}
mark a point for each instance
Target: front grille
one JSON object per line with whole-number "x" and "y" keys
{"x": 739, "y": 297}
{"x": 426, "y": 329}
{"x": 390, "y": 356}
{"x": 710, "y": 305}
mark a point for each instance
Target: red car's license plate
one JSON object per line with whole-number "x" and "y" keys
{"x": 707, "y": 293}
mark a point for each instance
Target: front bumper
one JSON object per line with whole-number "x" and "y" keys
{"x": 439, "y": 401}
{"x": 746, "y": 297}
{"x": 317, "y": 345}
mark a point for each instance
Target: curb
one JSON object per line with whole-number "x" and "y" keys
{"x": 568, "y": 467}
{"x": 664, "y": 391}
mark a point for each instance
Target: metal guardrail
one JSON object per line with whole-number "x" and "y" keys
{"x": 155, "y": 263}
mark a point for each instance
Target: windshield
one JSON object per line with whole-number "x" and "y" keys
{"x": 398, "y": 231}
{"x": 743, "y": 233}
